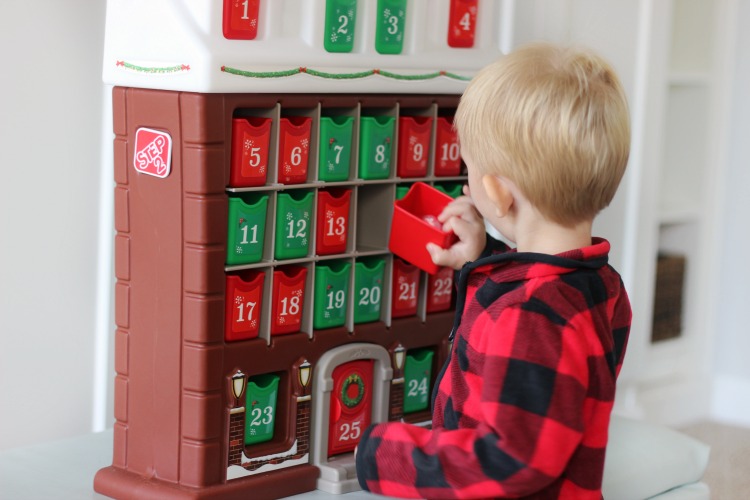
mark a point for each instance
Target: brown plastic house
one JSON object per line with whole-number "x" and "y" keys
{"x": 261, "y": 320}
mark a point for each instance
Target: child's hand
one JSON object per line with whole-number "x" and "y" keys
{"x": 461, "y": 217}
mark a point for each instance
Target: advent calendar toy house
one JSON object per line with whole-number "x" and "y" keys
{"x": 261, "y": 148}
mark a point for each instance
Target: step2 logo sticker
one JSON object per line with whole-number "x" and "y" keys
{"x": 153, "y": 152}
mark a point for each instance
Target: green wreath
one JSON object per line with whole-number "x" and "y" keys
{"x": 354, "y": 378}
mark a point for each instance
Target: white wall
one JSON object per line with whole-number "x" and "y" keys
{"x": 50, "y": 150}
{"x": 732, "y": 370}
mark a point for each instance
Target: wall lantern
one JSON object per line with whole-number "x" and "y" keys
{"x": 398, "y": 356}
{"x": 304, "y": 373}
{"x": 238, "y": 386}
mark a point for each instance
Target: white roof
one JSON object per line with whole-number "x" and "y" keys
{"x": 180, "y": 45}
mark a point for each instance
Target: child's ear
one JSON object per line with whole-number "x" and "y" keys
{"x": 499, "y": 193}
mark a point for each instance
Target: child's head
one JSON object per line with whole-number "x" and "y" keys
{"x": 554, "y": 121}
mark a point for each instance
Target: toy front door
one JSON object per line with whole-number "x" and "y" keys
{"x": 351, "y": 405}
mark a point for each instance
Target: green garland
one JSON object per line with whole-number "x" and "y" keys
{"x": 343, "y": 76}
{"x": 354, "y": 378}
{"x": 295, "y": 71}
{"x": 144, "y": 69}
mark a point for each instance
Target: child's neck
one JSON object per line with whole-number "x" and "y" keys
{"x": 544, "y": 236}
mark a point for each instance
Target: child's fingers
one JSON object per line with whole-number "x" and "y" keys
{"x": 443, "y": 257}
{"x": 460, "y": 207}
{"x": 463, "y": 229}
{"x": 440, "y": 256}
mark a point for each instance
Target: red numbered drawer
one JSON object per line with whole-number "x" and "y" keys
{"x": 440, "y": 290}
{"x": 244, "y": 296}
{"x": 288, "y": 299}
{"x": 413, "y": 145}
{"x": 333, "y": 221}
{"x": 250, "y": 143}
{"x": 462, "y": 23}
{"x": 447, "y": 151}
{"x": 294, "y": 149}
{"x": 351, "y": 405}
{"x": 240, "y": 20}
{"x": 405, "y": 289}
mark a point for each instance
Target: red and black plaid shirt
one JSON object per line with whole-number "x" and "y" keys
{"x": 522, "y": 407}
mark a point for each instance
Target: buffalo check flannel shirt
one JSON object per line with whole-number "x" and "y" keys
{"x": 522, "y": 407}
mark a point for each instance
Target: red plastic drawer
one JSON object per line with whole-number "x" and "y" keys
{"x": 405, "y": 290}
{"x": 250, "y": 143}
{"x": 288, "y": 297}
{"x": 413, "y": 145}
{"x": 440, "y": 290}
{"x": 332, "y": 221}
{"x": 244, "y": 303}
{"x": 462, "y": 23}
{"x": 414, "y": 224}
{"x": 294, "y": 149}
{"x": 240, "y": 20}
{"x": 447, "y": 151}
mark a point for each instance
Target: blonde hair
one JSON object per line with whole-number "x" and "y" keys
{"x": 553, "y": 120}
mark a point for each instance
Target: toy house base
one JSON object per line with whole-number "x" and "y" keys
{"x": 212, "y": 398}
{"x": 118, "y": 483}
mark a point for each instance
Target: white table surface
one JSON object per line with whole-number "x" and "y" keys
{"x": 65, "y": 469}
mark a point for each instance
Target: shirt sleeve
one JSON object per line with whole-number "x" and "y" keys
{"x": 511, "y": 413}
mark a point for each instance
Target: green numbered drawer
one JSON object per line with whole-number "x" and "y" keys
{"x": 335, "y": 148}
{"x": 341, "y": 17}
{"x": 452, "y": 189}
{"x": 293, "y": 232}
{"x": 368, "y": 289}
{"x": 401, "y": 190}
{"x": 260, "y": 408}
{"x": 331, "y": 294}
{"x": 389, "y": 30}
{"x": 376, "y": 138}
{"x": 417, "y": 375}
{"x": 246, "y": 228}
